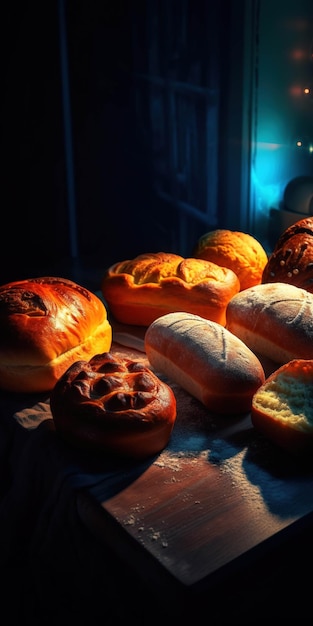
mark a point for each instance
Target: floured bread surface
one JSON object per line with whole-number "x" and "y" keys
{"x": 206, "y": 360}
{"x": 273, "y": 319}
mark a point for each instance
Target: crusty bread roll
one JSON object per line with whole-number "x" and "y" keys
{"x": 274, "y": 320}
{"x": 206, "y": 360}
{"x": 46, "y": 324}
{"x": 139, "y": 291}
{"x": 113, "y": 405}
{"x": 236, "y": 250}
{"x": 282, "y": 408}
{"x": 292, "y": 258}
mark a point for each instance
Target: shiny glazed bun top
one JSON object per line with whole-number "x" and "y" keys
{"x": 292, "y": 258}
{"x": 45, "y": 325}
{"x": 115, "y": 405}
{"x": 236, "y": 250}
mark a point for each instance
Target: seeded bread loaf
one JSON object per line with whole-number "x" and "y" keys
{"x": 292, "y": 258}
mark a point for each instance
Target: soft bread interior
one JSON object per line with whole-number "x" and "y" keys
{"x": 288, "y": 400}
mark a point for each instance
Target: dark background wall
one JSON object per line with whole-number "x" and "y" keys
{"x": 31, "y": 136}
{"x": 118, "y": 213}
{"x": 34, "y": 194}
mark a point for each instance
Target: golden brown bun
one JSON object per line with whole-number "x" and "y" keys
{"x": 206, "y": 360}
{"x": 114, "y": 405}
{"x": 282, "y": 408}
{"x": 46, "y": 324}
{"x": 236, "y": 250}
{"x": 292, "y": 258}
{"x": 274, "y": 320}
{"x": 139, "y": 291}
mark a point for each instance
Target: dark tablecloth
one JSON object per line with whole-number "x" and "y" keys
{"x": 53, "y": 569}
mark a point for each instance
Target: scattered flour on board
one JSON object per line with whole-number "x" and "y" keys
{"x": 267, "y": 480}
{"x": 285, "y": 492}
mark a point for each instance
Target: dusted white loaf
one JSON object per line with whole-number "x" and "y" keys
{"x": 206, "y": 360}
{"x": 274, "y": 320}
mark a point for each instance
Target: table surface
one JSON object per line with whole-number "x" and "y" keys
{"x": 218, "y": 495}
{"x": 217, "y": 492}
{"x": 211, "y": 504}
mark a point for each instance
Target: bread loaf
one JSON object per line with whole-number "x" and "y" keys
{"x": 282, "y": 408}
{"x": 238, "y": 251}
{"x": 115, "y": 406}
{"x": 139, "y": 291}
{"x": 292, "y": 258}
{"x": 46, "y": 324}
{"x": 206, "y": 360}
{"x": 274, "y": 320}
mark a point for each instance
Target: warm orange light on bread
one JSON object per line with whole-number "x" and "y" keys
{"x": 282, "y": 408}
{"x": 46, "y": 324}
{"x": 140, "y": 290}
{"x": 113, "y": 405}
{"x": 236, "y": 250}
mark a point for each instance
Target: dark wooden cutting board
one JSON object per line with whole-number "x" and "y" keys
{"x": 218, "y": 491}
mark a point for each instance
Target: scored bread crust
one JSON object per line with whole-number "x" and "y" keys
{"x": 274, "y": 320}
{"x": 206, "y": 360}
{"x": 114, "y": 405}
{"x": 282, "y": 407}
{"x": 46, "y": 324}
{"x": 139, "y": 291}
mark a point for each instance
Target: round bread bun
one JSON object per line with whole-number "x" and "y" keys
{"x": 236, "y": 250}
{"x": 46, "y": 324}
{"x": 140, "y": 290}
{"x": 114, "y": 405}
{"x": 292, "y": 258}
{"x": 282, "y": 408}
